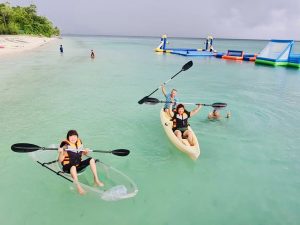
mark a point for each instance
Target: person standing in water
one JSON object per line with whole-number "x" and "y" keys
{"x": 70, "y": 156}
{"x": 61, "y": 49}
{"x": 92, "y": 54}
{"x": 215, "y": 115}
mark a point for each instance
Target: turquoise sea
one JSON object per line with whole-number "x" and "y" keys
{"x": 248, "y": 170}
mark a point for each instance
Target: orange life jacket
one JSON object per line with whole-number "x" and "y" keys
{"x": 73, "y": 153}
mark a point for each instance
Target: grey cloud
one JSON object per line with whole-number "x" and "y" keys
{"x": 191, "y": 18}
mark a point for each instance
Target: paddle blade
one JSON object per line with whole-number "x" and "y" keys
{"x": 219, "y": 105}
{"x": 24, "y": 147}
{"x": 151, "y": 101}
{"x": 187, "y": 66}
{"x": 120, "y": 152}
{"x": 142, "y": 100}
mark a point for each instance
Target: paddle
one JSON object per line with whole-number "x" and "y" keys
{"x": 184, "y": 68}
{"x": 154, "y": 101}
{"x": 26, "y": 148}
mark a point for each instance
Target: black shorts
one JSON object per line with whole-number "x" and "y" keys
{"x": 80, "y": 167}
{"x": 182, "y": 130}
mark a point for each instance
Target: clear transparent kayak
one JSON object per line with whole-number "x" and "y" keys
{"x": 117, "y": 185}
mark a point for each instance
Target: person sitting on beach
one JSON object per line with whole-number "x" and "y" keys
{"x": 61, "y": 49}
{"x": 170, "y": 99}
{"x": 215, "y": 115}
{"x": 92, "y": 54}
{"x": 70, "y": 156}
{"x": 180, "y": 122}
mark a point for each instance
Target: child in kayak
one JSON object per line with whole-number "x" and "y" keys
{"x": 70, "y": 156}
{"x": 171, "y": 97}
{"x": 215, "y": 115}
{"x": 180, "y": 122}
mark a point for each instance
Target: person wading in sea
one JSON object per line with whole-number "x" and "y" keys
{"x": 92, "y": 54}
{"x": 215, "y": 114}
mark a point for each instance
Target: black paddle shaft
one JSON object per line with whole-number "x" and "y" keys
{"x": 26, "y": 148}
{"x": 165, "y": 83}
{"x": 184, "y": 68}
{"x": 154, "y": 101}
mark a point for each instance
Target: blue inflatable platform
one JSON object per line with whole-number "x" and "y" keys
{"x": 193, "y": 53}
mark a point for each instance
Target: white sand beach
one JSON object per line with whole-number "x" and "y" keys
{"x": 12, "y": 44}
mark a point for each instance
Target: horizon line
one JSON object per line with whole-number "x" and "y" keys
{"x": 180, "y": 37}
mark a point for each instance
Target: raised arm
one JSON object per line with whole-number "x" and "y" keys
{"x": 163, "y": 89}
{"x": 196, "y": 110}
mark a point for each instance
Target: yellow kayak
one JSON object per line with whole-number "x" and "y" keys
{"x": 192, "y": 151}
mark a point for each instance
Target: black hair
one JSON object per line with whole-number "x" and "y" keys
{"x": 71, "y": 133}
{"x": 179, "y": 106}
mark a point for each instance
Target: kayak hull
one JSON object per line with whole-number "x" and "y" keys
{"x": 192, "y": 151}
{"x": 117, "y": 185}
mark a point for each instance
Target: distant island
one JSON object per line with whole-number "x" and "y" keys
{"x": 24, "y": 20}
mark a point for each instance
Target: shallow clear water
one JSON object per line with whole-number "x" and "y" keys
{"x": 248, "y": 170}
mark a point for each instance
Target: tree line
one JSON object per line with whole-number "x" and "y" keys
{"x": 24, "y": 20}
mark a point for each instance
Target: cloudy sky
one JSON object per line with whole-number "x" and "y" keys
{"x": 253, "y": 19}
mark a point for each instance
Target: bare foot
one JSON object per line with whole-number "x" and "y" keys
{"x": 98, "y": 183}
{"x": 80, "y": 190}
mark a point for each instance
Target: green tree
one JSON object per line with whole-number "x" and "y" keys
{"x": 17, "y": 20}
{"x": 6, "y": 13}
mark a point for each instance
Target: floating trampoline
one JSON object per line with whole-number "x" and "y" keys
{"x": 234, "y": 55}
{"x": 250, "y": 57}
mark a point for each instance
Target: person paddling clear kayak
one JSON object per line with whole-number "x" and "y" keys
{"x": 70, "y": 155}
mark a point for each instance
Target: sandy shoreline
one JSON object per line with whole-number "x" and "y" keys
{"x": 12, "y": 44}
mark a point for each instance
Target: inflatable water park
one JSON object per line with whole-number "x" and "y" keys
{"x": 207, "y": 51}
{"x": 279, "y": 53}
{"x": 275, "y": 53}
{"x": 237, "y": 55}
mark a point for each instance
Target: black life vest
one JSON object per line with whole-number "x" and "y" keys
{"x": 180, "y": 121}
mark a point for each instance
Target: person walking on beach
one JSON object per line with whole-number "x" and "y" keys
{"x": 170, "y": 99}
{"x": 180, "y": 122}
{"x": 215, "y": 115}
{"x": 92, "y": 54}
{"x": 61, "y": 49}
{"x": 70, "y": 156}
